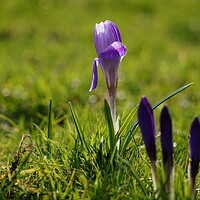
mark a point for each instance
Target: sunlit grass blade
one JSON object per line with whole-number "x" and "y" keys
{"x": 69, "y": 185}
{"x": 112, "y": 140}
{"x": 78, "y": 127}
{"x": 9, "y": 121}
{"x": 171, "y": 95}
{"x": 127, "y": 138}
{"x": 133, "y": 127}
{"x": 99, "y": 155}
{"x": 126, "y": 122}
{"x": 49, "y": 133}
{"x": 40, "y": 131}
{"x": 134, "y": 173}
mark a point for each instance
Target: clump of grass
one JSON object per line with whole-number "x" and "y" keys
{"x": 84, "y": 162}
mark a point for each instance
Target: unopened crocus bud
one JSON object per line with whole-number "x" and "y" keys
{"x": 194, "y": 142}
{"x": 167, "y": 149}
{"x": 147, "y": 127}
{"x": 166, "y": 135}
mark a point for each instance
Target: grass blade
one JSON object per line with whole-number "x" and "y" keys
{"x": 49, "y": 133}
{"x": 134, "y": 173}
{"x": 78, "y": 127}
{"x": 127, "y": 122}
{"x": 11, "y": 122}
{"x": 171, "y": 95}
{"x": 110, "y": 126}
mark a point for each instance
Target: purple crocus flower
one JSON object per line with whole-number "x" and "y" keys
{"x": 147, "y": 126}
{"x": 167, "y": 149}
{"x": 110, "y": 51}
{"x": 194, "y": 141}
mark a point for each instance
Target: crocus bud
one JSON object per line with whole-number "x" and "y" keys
{"x": 110, "y": 51}
{"x": 147, "y": 126}
{"x": 166, "y": 135}
{"x": 167, "y": 149}
{"x": 194, "y": 141}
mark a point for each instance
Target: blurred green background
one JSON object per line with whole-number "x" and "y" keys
{"x": 46, "y": 51}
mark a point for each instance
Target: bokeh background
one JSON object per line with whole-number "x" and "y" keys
{"x": 46, "y": 51}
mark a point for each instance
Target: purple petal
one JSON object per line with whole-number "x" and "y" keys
{"x": 166, "y": 135}
{"x": 94, "y": 74}
{"x": 105, "y": 33}
{"x": 147, "y": 126}
{"x": 110, "y": 60}
{"x": 112, "y": 31}
{"x": 194, "y": 140}
{"x": 115, "y": 50}
{"x": 110, "y": 68}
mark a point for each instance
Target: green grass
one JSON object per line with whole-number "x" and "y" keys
{"x": 68, "y": 151}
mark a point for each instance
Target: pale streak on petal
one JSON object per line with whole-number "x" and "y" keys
{"x": 100, "y": 28}
{"x": 94, "y": 74}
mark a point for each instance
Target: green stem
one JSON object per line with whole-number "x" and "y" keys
{"x": 112, "y": 96}
{"x": 154, "y": 176}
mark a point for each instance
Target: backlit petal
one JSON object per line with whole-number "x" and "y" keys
{"x": 115, "y": 50}
{"x": 94, "y": 74}
{"x": 112, "y": 32}
{"x": 105, "y": 33}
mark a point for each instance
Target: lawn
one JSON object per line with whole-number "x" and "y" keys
{"x": 46, "y": 54}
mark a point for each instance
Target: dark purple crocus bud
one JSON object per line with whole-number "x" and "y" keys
{"x": 194, "y": 141}
{"x": 110, "y": 51}
{"x": 147, "y": 126}
{"x": 167, "y": 149}
{"x": 166, "y": 136}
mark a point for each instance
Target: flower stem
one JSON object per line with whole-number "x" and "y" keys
{"x": 169, "y": 175}
{"x": 191, "y": 183}
{"x": 112, "y": 96}
{"x": 170, "y": 185}
{"x": 154, "y": 177}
